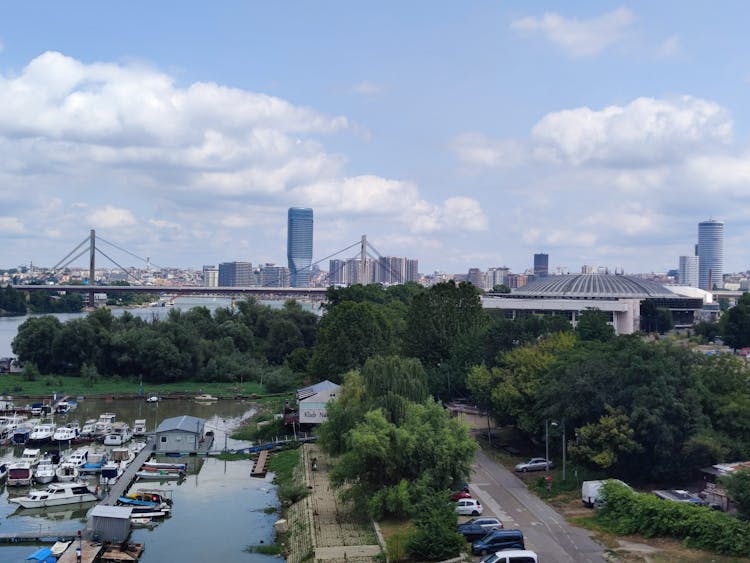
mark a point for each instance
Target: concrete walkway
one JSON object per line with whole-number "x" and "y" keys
{"x": 338, "y": 535}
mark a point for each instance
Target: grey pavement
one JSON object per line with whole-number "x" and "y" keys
{"x": 545, "y": 531}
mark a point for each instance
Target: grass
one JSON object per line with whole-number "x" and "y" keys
{"x": 282, "y": 465}
{"x": 227, "y": 456}
{"x": 396, "y": 534}
{"x": 45, "y": 385}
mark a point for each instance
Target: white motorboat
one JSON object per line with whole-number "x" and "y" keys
{"x": 120, "y": 434}
{"x": 57, "y": 494}
{"x": 77, "y": 458}
{"x": 88, "y": 428}
{"x": 67, "y": 472}
{"x": 153, "y": 399}
{"x": 20, "y": 473}
{"x": 139, "y": 428}
{"x": 45, "y": 471}
{"x": 43, "y": 433}
{"x": 205, "y": 398}
{"x": 158, "y": 466}
{"x": 31, "y": 456}
{"x": 64, "y": 407}
{"x": 8, "y": 425}
{"x": 64, "y": 434}
{"x": 111, "y": 472}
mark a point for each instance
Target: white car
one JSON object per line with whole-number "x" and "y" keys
{"x": 153, "y": 399}
{"x": 469, "y": 507}
{"x": 534, "y": 464}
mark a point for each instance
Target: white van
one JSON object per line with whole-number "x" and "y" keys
{"x": 590, "y": 491}
{"x": 512, "y": 556}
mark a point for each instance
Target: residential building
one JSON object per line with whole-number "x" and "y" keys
{"x": 412, "y": 270}
{"x": 688, "y": 271}
{"x": 337, "y": 272}
{"x": 274, "y": 276}
{"x": 236, "y": 274}
{"x": 299, "y": 245}
{"x": 541, "y": 265}
{"x": 210, "y": 276}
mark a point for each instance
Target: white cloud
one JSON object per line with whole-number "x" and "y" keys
{"x": 110, "y": 217}
{"x": 475, "y": 149}
{"x": 368, "y": 88}
{"x": 11, "y": 225}
{"x": 670, "y": 47}
{"x": 579, "y": 37}
{"x": 644, "y": 131}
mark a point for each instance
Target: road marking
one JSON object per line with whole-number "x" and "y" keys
{"x": 490, "y": 503}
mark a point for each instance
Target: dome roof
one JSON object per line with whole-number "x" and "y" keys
{"x": 594, "y": 286}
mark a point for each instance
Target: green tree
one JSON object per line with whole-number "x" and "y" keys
{"x": 435, "y": 538}
{"x": 500, "y": 288}
{"x": 391, "y": 382}
{"x": 737, "y": 486}
{"x": 34, "y": 342}
{"x": 593, "y": 325}
{"x": 603, "y": 443}
{"x": 735, "y": 324}
{"x": 348, "y": 335}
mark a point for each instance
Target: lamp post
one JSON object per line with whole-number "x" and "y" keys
{"x": 563, "y": 447}
{"x": 547, "y": 424}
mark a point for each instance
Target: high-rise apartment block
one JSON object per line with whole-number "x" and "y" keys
{"x": 497, "y": 276}
{"x": 688, "y": 271}
{"x": 210, "y": 276}
{"x": 299, "y": 245}
{"x": 236, "y": 274}
{"x": 541, "y": 265}
{"x": 710, "y": 254}
{"x": 412, "y": 270}
{"x": 336, "y": 272}
{"x": 274, "y": 276}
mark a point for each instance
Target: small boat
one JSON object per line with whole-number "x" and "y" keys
{"x": 158, "y": 496}
{"x": 142, "y": 521}
{"x": 43, "y": 433}
{"x": 77, "y": 458}
{"x": 94, "y": 463}
{"x": 45, "y": 471}
{"x": 88, "y": 428}
{"x": 153, "y": 399}
{"x": 64, "y": 407}
{"x": 57, "y": 494}
{"x": 205, "y": 398}
{"x": 139, "y": 428}
{"x": 120, "y": 434}
{"x": 157, "y": 466}
{"x": 103, "y": 426}
{"x": 67, "y": 472}
{"x": 111, "y": 472}
{"x": 64, "y": 434}
{"x": 3, "y": 472}
{"x": 31, "y": 456}
{"x": 160, "y": 475}
{"x": 21, "y": 436}
{"x": 20, "y": 474}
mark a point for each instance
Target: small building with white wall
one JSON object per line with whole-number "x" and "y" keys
{"x": 179, "y": 434}
{"x": 312, "y": 401}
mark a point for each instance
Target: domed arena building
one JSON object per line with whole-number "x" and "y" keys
{"x": 617, "y": 295}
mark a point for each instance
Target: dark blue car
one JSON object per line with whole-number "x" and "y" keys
{"x": 477, "y": 528}
{"x": 498, "y": 540}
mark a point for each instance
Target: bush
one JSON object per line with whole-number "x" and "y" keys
{"x": 626, "y": 512}
{"x": 30, "y": 372}
{"x": 279, "y": 380}
{"x": 435, "y": 537}
{"x": 292, "y": 492}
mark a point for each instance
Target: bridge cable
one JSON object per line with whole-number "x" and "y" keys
{"x": 131, "y": 254}
{"x": 330, "y": 256}
{"x": 76, "y": 257}
{"x": 84, "y": 241}
{"x": 116, "y": 264}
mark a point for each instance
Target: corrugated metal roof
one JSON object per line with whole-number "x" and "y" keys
{"x": 306, "y": 392}
{"x": 594, "y": 286}
{"x": 105, "y": 511}
{"x": 186, "y": 423}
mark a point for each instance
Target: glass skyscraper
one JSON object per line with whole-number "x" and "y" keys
{"x": 299, "y": 245}
{"x": 710, "y": 254}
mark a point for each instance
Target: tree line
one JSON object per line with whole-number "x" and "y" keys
{"x": 14, "y": 303}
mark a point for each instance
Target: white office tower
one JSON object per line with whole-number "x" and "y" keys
{"x": 710, "y": 254}
{"x": 688, "y": 272}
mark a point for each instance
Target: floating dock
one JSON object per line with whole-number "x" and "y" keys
{"x": 89, "y": 552}
{"x": 259, "y": 467}
{"x": 126, "y": 479}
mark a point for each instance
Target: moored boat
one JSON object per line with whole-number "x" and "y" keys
{"x": 157, "y": 465}
{"x": 31, "y": 456}
{"x": 205, "y": 398}
{"x": 87, "y": 430}
{"x": 139, "y": 427}
{"x": 57, "y": 494}
{"x": 3, "y": 472}
{"x": 94, "y": 463}
{"x": 42, "y": 433}
{"x": 20, "y": 474}
{"x": 64, "y": 434}
{"x": 160, "y": 474}
{"x": 111, "y": 472}
{"x": 77, "y": 457}
{"x": 45, "y": 471}
{"x": 119, "y": 435}
{"x": 67, "y": 472}
{"x": 21, "y": 436}
{"x": 64, "y": 407}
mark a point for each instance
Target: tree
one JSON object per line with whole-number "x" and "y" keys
{"x": 737, "y": 486}
{"x": 438, "y": 317}
{"x": 392, "y": 382}
{"x": 735, "y": 324}
{"x": 593, "y": 325}
{"x": 34, "y": 342}
{"x": 603, "y": 443}
{"x": 436, "y": 538}
{"x": 500, "y": 288}
{"x": 348, "y": 335}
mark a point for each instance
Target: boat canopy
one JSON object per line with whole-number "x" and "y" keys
{"x": 43, "y": 554}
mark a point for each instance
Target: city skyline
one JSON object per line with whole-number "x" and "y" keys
{"x": 598, "y": 133}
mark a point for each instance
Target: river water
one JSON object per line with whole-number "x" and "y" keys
{"x": 219, "y": 511}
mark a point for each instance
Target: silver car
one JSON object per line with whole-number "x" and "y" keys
{"x": 534, "y": 464}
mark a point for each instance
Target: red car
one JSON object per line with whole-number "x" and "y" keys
{"x": 459, "y": 495}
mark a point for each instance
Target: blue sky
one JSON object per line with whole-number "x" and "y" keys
{"x": 463, "y": 134}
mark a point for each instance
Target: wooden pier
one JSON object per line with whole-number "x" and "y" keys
{"x": 126, "y": 479}
{"x": 259, "y": 468}
{"x": 89, "y": 552}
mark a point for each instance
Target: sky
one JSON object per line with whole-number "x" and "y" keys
{"x": 464, "y": 134}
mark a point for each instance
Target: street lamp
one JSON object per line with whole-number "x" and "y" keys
{"x": 547, "y": 424}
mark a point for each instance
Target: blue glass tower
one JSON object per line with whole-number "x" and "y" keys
{"x": 299, "y": 243}
{"x": 710, "y": 254}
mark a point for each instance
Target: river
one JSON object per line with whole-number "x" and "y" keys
{"x": 219, "y": 511}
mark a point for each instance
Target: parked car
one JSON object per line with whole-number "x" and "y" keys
{"x": 534, "y": 464}
{"x": 469, "y": 507}
{"x": 590, "y": 492}
{"x": 459, "y": 495}
{"x": 512, "y": 556}
{"x": 477, "y": 528}
{"x": 497, "y": 541}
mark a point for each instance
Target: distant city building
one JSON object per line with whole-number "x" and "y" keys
{"x": 299, "y": 245}
{"x": 352, "y": 272}
{"x": 236, "y": 274}
{"x": 210, "y": 276}
{"x": 337, "y": 272}
{"x": 516, "y": 281}
{"x": 390, "y": 270}
{"x": 587, "y": 269}
{"x": 274, "y": 276}
{"x": 710, "y": 254}
{"x": 476, "y": 277}
{"x": 541, "y": 265}
{"x": 688, "y": 271}
{"x": 412, "y": 270}
{"x": 497, "y": 276}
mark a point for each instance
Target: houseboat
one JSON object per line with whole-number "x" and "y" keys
{"x": 119, "y": 435}
{"x": 21, "y": 436}
{"x": 139, "y": 428}
{"x": 20, "y": 474}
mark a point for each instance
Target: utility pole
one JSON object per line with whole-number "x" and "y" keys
{"x": 92, "y": 265}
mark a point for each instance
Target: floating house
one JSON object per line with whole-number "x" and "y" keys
{"x": 183, "y": 434}
{"x": 110, "y": 523}
{"x": 312, "y": 402}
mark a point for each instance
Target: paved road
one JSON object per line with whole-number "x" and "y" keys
{"x": 545, "y": 531}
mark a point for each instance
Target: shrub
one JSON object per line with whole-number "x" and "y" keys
{"x": 435, "y": 537}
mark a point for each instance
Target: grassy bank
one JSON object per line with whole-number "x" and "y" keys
{"x": 45, "y": 385}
